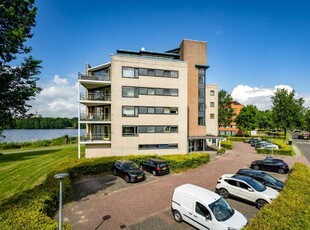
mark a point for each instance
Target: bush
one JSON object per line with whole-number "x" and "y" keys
{"x": 227, "y": 144}
{"x": 291, "y": 209}
{"x": 221, "y": 151}
{"x": 34, "y": 208}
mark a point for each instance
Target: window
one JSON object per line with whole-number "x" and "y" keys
{"x": 129, "y": 72}
{"x": 159, "y": 110}
{"x": 142, "y": 110}
{"x": 166, "y": 110}
{"x": 232, "y": 182}
{"x": 211, "y": 115}
{"x": 130, "y": 131}
{"x": 174, "y": 74}
{"x": 166, "y": 92}
{"x": 174, "y": 92}
{"x": 150, "y": 129}
{"x": 174, "y": 110}
{"x": 130, "y": 111}
{"x": 159, "y": 129}
{"x": 157, "y": 146}
{"x": 174, "y": 129}
{"x": 201, "y": 93}
{"x": 159, "y": 91}
{"x": 143, "y": 91}
{"x": 201, "y": 121}
{"x": 159, "y": 73}
{"x": 151, "y": 91}
{"x": 201, "y": 79}
{"x": 166, "y": 73}
{"x": 212, "y": 104}
{"x": 150, "y": 110}
{"x": 201, "y": 210}
{"x": 243, "y": 185}
{"x": 212, "y": 93}
{"x": 129, "y": 91}
{"x": 167, "y": 129}
{"x": 143, "y": 72}
{"x": 151, "y": 72}
{"x": 201, "y": 107}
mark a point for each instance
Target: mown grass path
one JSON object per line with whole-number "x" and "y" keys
{"x": 22, "y": 170}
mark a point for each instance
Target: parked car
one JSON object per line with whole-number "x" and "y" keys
{"x": 128, "y": 170}
{"x": 271, "y": 146}
{"x": 263, "y": 178}
{"x": 254, "y": 141}
{"x": 156, "y": 166}
{"x": 246, "y": 188}
{"x": 271, "y": 164}
{"x": 260, "y": 144}
{"x": 204, "y": 209}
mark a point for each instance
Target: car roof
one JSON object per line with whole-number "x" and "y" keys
{"x": 251, "y": 171}
{"x": 198, "y": 192}
{"x": 243, "y": 178}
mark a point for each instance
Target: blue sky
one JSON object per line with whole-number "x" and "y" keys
{"x": 254, "y": 47}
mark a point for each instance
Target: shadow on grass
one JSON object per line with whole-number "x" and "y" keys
{"x": 24, "y": 155}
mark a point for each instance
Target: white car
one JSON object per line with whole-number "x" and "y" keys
{"x": 246, "y": 188}
{"x": 204, "y": 209}
{"x": 270, "y": 146}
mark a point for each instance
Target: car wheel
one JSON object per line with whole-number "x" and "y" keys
{"x": 114, "y": 172}
{"x": 261, "y": 203}
{"x": 177, "y": 216}
{"x": 281, "y": 171}
{"x": 224, "y": 193}
{"x": 154, "y": 172}
{"x": 256, "y": 167}
{"x": 127, "y": 179}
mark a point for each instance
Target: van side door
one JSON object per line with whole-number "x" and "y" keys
{"x": 202, "y": 216}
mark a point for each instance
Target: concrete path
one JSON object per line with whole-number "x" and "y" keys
{"x": 139, "y": 202}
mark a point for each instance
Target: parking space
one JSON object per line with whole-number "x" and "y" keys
{"x": 146, "y": 205}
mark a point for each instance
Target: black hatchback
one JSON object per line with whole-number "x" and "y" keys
{"x": 263, "y": 178}
{"x": 156, "y": 166}
{"x": 271, "y": 164}
{"x": 128, "y": 170}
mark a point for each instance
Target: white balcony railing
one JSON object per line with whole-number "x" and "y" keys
{"x": 95, "y": 97}
{"x": 94, "y": 117}
{"x": 104, "y": 77}
{"x": 96, "y": 137}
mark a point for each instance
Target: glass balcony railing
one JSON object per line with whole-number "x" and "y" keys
{"x": 96, "y": 137}
{"x": 94, "y": 117}
{"x": 95, "y": 97}
{"x": 97, "y": 77}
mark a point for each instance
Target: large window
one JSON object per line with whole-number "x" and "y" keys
{"x": 201, "y": 107}
{"x": 212, "y": 104}
{"x": 212, "y": 116}
{"x": 132, "y": 72}
{"x": 130, "y": 91}
{"x": 130, "y": 111}
{"x": 157, "y": 146}
{"x": 130, "y": 131}
{"x": 158, "y": 129}
{"x": 134, "y": 111}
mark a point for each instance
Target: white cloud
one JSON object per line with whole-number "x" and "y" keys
{"x": 58, "y": 98}
{"x": 260, "y": 97}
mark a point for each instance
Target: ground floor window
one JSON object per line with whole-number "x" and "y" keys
{"x": 157, "y": 146}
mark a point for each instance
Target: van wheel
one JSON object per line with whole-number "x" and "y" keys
{"x": 177, "y": 216}
{"x": 224, "y": 193}
{"x": 261, "y": 203}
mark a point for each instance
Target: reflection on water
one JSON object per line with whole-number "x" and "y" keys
{"x": 22, "y": 135}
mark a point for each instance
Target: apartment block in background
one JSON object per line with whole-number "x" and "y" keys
{"x": 145, "y": 102}
{"x": 232, "y": 129}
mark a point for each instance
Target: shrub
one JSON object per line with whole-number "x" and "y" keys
{"x": 34, "y": 208}
{"x": 221, "y": 151}
{"x": 291, "y": 209}
{"x": 227, "y": 144}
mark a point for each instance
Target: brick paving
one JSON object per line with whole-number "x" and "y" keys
{"x": 146, "y": 205}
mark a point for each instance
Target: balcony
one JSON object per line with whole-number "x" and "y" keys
{"x": 94, "y": 81}
{"x": 96, "y": 138}
{"x": 93, "y": 99}
{"x": 103, "y": 77}
{"x": 95, "y": 117}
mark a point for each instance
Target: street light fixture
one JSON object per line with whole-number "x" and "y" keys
{"x": 60, "y": 176}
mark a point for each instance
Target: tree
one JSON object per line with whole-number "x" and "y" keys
{"x": 247, "y": 119}
{"x": 265, "y": 120}
{"x": 307, "y": 120}
{"x": 287, "y": 112}
{"x": 17, "y": 70}
{"x": 226, "y": 112}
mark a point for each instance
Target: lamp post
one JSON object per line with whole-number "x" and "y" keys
{"x": 60, "y": 176}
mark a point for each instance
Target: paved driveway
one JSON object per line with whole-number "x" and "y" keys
{"x": 146, "y": 205}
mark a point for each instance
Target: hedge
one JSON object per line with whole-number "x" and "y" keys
{"x": 34, "y": 209}
{"x": 284, "y": 149}
{"x": 227, "y": 144}
{"x": 291, "y": 209}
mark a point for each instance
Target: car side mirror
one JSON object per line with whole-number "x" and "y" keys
{"x": 208, "y": 216}
{"x": 250, "y": 190}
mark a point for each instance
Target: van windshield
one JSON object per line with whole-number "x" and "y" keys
{"x": 221, "y": 210}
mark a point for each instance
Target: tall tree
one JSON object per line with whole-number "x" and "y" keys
{"x": 17, "y": 68}
{"x": 287, "y": 112}
{"x": 226, "y": 112}
{"x": 265, "y": 120}
{"x": 247, "y": 119}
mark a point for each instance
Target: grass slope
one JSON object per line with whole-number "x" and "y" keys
{"x": 21, "y": 171}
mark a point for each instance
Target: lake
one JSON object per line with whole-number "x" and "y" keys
{"x": 23, "y": 135}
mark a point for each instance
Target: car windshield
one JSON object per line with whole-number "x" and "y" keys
{"x": 256, "y": 185}
{"x": 164, "y": 164}
{"x": 270, "y": 178}
{"x": 129, "y": 166}
{"x": 221, "y": 210}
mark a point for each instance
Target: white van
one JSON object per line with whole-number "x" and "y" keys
{"x": 204, "y": 209}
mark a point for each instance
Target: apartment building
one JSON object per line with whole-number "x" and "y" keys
{"x": 145, "y": 102}
{"x": 232, "y": 129}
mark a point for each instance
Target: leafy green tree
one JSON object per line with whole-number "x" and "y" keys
{"x": 17, "y": 68}
{"x": 307, "y": 120}
{"x": 225, "y": 111}
{"x": 247, "y": 119}
{"x": 287, "y": 112}
{"x": 265, "y": 120}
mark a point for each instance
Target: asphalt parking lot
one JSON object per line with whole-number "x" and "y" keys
{"x": 113, "y": 204}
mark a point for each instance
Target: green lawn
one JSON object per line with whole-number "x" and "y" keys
{"x": 22, "y": 170}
